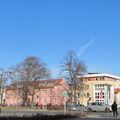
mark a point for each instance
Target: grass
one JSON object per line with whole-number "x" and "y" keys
{"x": 21, "y": 108}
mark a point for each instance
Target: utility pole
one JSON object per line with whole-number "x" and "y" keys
{"x": 64, "y": 95}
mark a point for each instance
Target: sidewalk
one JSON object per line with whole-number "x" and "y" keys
{"x": 102, "y": 116}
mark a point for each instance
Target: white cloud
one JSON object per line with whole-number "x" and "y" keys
{"x": 82, "y": 49}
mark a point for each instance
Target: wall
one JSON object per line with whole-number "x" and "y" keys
{"x": 45, "y": 96}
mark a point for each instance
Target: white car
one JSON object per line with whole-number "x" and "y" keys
{"x": 79, "y": 107}
{"x": 97, "y": 106}
{"x": 118, "y": 106}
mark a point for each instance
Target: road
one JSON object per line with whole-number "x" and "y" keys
{"x": 94, "y": 119}
{"x": 98, "y": 116}
{"x": 89, "y": 115}
{"x": 101, "y": 115}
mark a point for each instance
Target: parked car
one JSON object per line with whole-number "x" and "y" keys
{"x": 98, "y": 106}
{"x": 78, "y": 107}
{"x": 118, "y": 106}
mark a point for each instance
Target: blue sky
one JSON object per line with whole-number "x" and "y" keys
{"x": 48, "y": 28}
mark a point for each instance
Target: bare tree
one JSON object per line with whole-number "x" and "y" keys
{"x": 4, "y": 76}
{"x": 72, "y": 67}
{"x": 80, "y": 87}
{"x": 30, "y": 71}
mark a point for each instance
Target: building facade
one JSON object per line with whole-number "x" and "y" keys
{"x": 100, "y": 88}
{"x": 47, "y": 91}
{"x": 2, "y": 95}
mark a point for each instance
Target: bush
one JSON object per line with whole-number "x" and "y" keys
{"x": 40, "y": 117}
{"x": 56, "y": 107}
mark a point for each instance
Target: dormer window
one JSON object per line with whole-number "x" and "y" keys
{"x": 51, "y": 83}
{"x": 42, "y": 84}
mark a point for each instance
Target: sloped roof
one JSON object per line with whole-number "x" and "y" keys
{"x": 37, "y": 83}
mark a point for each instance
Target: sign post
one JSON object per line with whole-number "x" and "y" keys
{"x": 65, "y": 94}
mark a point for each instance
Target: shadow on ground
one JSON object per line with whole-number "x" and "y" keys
{"x": 42, "y": 117}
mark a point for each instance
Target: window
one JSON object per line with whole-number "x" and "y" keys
{"x": 39, "y": 100}
{"x": 88, "y": 95}
{"x": 88, "y": 79}
{"x": 44, "y": 100}
{"x": 39, "y": 91}
{"x": 50, "y": 100}
{"x": 96, "y": 78}
{"x": 45, "y": 91}
{"x": 99, "y": 104}
{"x": 93, "y": 103}
{"x": 50, "y": 91}
{"x": 113, "y": 79}
{"x": 51, "y": 83}
{"x": 101, "y": 78}
{"x": 42, "y": 84}
{"x": 106, "y": 78}
{"x": 108, "y": 88}
{"x": 98, "y": 94}
{"x": 20, "y": 85}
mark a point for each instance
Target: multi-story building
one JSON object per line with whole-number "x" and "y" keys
{"x": 100, "y": 87}
{"x": 47, "y": 91}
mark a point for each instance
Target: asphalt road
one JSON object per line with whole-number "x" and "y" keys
{"x": 94, "y": 119}
{"x": 90, "y": 115}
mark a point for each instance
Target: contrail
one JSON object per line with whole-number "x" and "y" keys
{"x": 82, "y": 49}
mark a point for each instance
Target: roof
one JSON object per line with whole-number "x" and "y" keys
{"x": 41, "y": 83}
{"x": 100, "y": 75}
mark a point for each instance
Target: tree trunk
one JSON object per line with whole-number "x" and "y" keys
{"x": 1, "y": 99}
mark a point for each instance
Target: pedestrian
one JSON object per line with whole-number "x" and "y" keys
{"x": 47, "y": 106}
{"x": 114, "y": 109}
{"x": 37, "y": 104}
{"x": 41, "y": 105}
{"x": 107, "y": 108}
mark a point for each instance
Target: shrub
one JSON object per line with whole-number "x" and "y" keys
{"x": 56, "y": 107}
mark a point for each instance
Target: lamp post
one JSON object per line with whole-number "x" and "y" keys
{"x": 65, "y": 94}
{"x": 106, "y": 94}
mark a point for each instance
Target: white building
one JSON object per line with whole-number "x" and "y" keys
{"x": 102, "y": 87}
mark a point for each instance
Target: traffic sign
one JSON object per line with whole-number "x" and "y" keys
{"x": 65, "y": 93}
